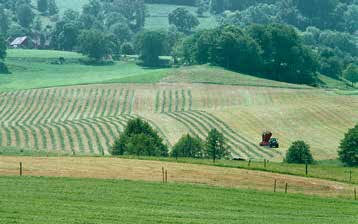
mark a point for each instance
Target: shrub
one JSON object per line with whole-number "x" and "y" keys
{"x": 299, "y": 152}
{"x": 189, "y": 147}
{"x": 140, "y": 139}
{"x": 348, "y": 152}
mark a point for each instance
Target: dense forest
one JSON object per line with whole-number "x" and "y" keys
{"x": 285, "y": 40}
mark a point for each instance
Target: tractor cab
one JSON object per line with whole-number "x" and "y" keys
{"x": 268, "y": 141}
{"x": 273, "y": 143}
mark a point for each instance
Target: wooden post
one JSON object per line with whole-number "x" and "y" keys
{"x": 274, "y": 185}
{"x": 20, "y": 168}
{"x": 355, "y": 194}
{"x": 249, "y": 163}
{"x": 350, "y": 176}
{"x": 166, "y": 176}
{"x": 265, "y": 163}
{"x": 306, "y": 168}
{"x": 286, "y": 188}
{"x": 163, "y": 177}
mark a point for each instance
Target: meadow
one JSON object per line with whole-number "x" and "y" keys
{"x": 64, "y": 200}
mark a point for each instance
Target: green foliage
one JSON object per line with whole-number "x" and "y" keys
{"x": 25, "y": 15}
{"x": 52, "y": 7}
{"x": 299, "y": 152}
{"x": 4, "y": 21}
{"x": 285, "y": 58}
{"x": 151, "y": 45}
{"x": 216, "y": 147}
{"x": 42, "y": 5}
{"x": 348, "y": 152}
{"x": 351, "y": 73}
{"x": 183, "y": 20}
{"x": 3, "y": 68}
{"x": 188, "y": 146}
{"x": 140, "y": 139}
{"x": 95, "y": 44}
{"x": 127, "y": 48}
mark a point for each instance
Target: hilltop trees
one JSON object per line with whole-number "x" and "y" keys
{"x": 42, "y": 5}
{"x": 285, "y": 58}
{"x": 25, "y": 15}
{"x": 4, "y": 21}
{"x": 150, "y": 45}
{"x": 348, "y": 152}
{"x": 299, "y": 152}
{"x": 183, "y": 20}
{"x": 140, "y": 139}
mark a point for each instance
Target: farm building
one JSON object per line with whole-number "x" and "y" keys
{"x": 22, "y": 42}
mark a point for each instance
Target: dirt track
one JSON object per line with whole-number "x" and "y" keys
{"x": 114, "y": 168}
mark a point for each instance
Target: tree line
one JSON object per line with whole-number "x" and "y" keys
{"x": 259, "y": 32}
{"x": 140, "y": 139}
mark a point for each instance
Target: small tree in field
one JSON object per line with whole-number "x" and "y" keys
{"x": 348, "y": 152}
{"x": 3, "y": 68}
{"x": 140, "y": 139}
{"x": 189, "y": 147}
{"x": 299, "y": 152}
{"x": 215, "y": 145}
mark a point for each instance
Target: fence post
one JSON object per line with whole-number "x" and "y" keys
{"x": 286, "y": 188}
{"x": 20, "y": 168}
{"x": 306, "y": 169}
{"x": 163, "y": 175}
{"x": 274, "y": 185}
{"x": 249, "y": 163}
{"x": 265, "y": 163}
{"x": 350, "y": 176}
{"x": 355, "y": 194}
{"x": 166, "y": 176}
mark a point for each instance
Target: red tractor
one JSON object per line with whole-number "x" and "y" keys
{"x": 268, "y": 141}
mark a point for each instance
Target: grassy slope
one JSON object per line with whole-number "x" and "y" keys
{"x": 33, "y": 69}
{"x": 61, "y": 200}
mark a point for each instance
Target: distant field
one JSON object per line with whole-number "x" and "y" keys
{"x": 158, "y": 17}
{"x": 61, "y": 200}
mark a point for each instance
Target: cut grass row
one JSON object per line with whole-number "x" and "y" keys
{"x": 173, "y": 100}
{"x": 96, "y": 201}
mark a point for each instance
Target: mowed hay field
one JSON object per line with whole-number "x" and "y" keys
{"x": 86, "y": 119}
{"x": 33, "y": 200}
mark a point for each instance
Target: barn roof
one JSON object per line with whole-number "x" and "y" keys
{"x": 18, "y": 40}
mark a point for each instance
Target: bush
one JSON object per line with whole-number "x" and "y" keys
{"x": 140, "y": 139}
{"x": 299, "y": 152}
{"x": 189, "y": 147}
{"x": 3, "y": 68}
{"x": 348, "y": 152}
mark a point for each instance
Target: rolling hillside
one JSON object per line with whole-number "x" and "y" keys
{"x": 85, "y": 119}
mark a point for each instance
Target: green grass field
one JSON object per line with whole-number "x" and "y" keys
{"x": 61, "y": 200}
{"x": 36, "y": 69}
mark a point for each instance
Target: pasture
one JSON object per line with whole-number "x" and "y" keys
{"x": 63, "y": 200}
